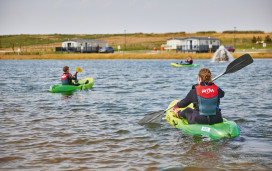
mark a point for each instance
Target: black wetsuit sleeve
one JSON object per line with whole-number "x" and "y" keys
{"x": 71, "y": 77}
{"x": 221, "y": 93}
{"x": 187, "y": 100}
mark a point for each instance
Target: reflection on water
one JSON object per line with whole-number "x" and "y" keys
{"x": 66, "y": 95}
{"x": 97, "y": 129}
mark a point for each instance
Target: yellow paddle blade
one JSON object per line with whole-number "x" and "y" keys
{"x": 78, "y": 69}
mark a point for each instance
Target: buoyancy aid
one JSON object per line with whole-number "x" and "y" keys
{"x": 190, "y": 61}
{"x": 207, "y": 99}
{"x": 64, "y": 79}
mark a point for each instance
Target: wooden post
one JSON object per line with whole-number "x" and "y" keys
{"x": 210, "y": 47}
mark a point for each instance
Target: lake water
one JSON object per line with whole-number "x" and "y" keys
{"x": 98, "y": 130}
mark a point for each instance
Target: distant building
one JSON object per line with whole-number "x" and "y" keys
{"x": 193, "y": 44}
{"x": 173, "y": 43}
{"x": 82, "y": 45}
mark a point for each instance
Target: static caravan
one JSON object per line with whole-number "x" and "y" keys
{"x": 199, "y": 44}
{"x": 82, "y": 45}
{"x": 173, "y": 43}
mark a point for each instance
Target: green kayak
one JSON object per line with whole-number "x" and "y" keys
{"x": 184, "y": 65}
{"x": 68, "y": 88}
{"x": 228, "y": 129}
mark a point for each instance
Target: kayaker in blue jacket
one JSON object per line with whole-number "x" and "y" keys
{"x": 206, "y": 99}
{"x": 188, "y": 61}
{"x": 66, "y": 77}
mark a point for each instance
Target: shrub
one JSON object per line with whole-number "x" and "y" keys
{"x": 267, "y": 39}
{"x": 259, "y": 39}
{"x": 243, "y": 32}
{"x": 254, "y": 40}
{"x": 205, "y": 32}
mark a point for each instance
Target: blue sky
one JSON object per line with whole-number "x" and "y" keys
{"x": 134, "y": 16}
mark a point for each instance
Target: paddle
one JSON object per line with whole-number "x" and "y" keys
{"x": 78, "y": 69}
{"x": 237, "y": 64}
{"x": 234, "y": 66}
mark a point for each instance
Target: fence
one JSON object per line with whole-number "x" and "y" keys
{"x": 78, "y": 49}
{"x": 197, "y": 49}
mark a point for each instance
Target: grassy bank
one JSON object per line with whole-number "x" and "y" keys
{"x": 125, "y": 56}
{"x": 45, "y": 44}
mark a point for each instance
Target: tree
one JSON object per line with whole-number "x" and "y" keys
{"x": 267, "y": 39}
{"x": 254, "y": 40}
{"x": 259, "y": 39}
{"x": 12, "y": 46}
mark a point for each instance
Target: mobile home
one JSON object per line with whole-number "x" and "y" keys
{"x": 193, "y": 44}
{"x": 82, "y": 45}
{"x": 199, "y": 44}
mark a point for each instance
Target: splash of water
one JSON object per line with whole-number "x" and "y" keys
{"x": 222, "y": 55}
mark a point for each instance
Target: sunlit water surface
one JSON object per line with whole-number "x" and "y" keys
{"x": 97, "y": 129}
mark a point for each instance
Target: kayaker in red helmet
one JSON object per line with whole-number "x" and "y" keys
{"x": 66, "y": 77}
{"x": 188, "y": 61}
{"x": 206, "y": 99}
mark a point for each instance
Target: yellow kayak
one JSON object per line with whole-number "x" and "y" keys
{"x": 184, "y": 65}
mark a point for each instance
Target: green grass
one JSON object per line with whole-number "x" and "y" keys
{"x": 22, "y": 40}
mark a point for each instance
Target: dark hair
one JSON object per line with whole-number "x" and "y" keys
{"x": 65, "y": 68}
{"x": 205, "y": 75}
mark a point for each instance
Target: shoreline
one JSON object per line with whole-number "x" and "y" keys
{"x": 92, "y": 56}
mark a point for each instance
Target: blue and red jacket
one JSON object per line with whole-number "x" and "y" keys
{"x": 207, "y": 97}
{"x": 206, "y": 100}
{"x": 190, "y": 61}
{"x": 66, "y": 79}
